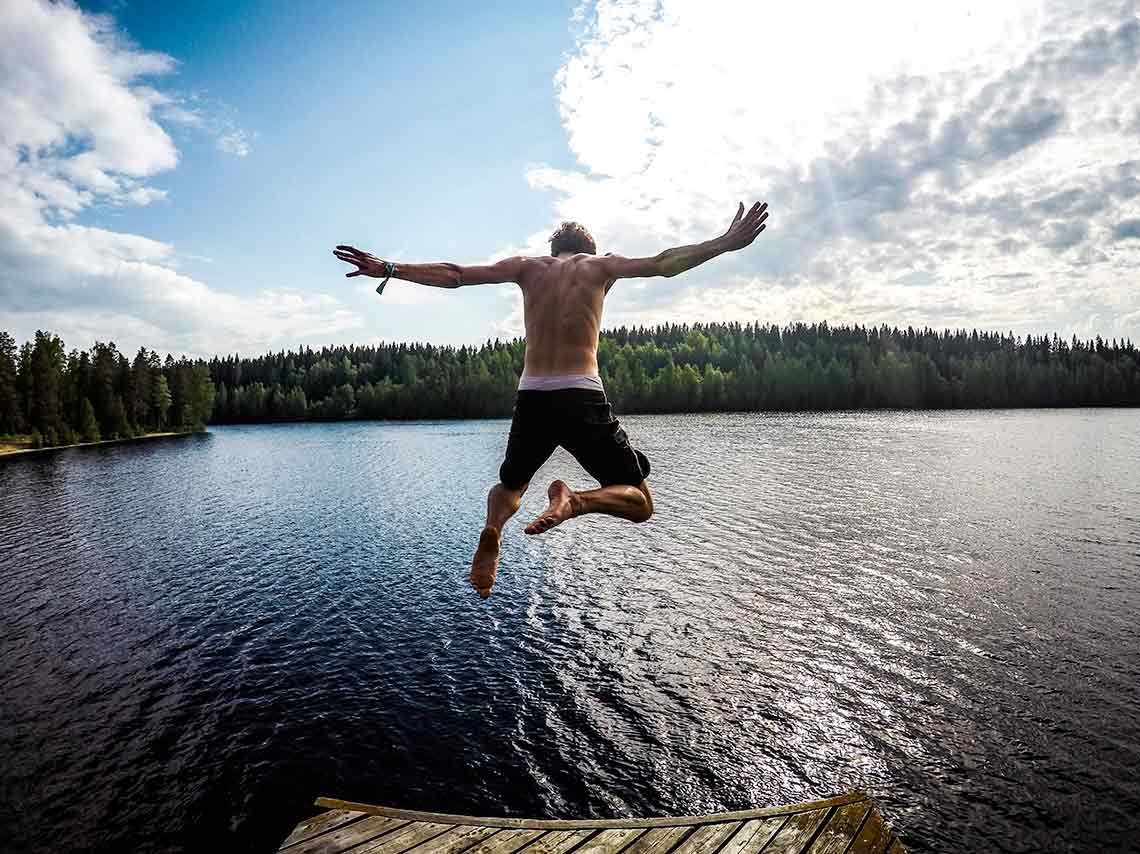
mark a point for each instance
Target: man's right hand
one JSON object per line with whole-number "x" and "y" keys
{"x": 745, "y": 228}
{"x": 367, "y": 265}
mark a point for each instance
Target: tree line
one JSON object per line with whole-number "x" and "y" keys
{"x": 692, "y": 367}
{"x": 49, "y": 396}
{"x": 60, "y": 397}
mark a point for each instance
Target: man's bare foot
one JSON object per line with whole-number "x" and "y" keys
{"x": 563, "y": 506}
{"x": 486, "y": 562}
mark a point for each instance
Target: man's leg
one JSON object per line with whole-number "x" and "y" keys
{"x": 626, "y": 502}
{"x": 502, "y": 503}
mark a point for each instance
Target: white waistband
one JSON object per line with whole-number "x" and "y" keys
{"x": 590, "y": 381}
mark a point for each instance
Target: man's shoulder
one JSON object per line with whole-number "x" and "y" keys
{"x": 536, "y": 267}
{"x": 580, "y": 260}
{"x": 550, "y": 259}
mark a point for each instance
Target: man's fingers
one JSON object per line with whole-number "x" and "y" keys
{"x": 345, "y": 248}
{"x": 754, "y": 232}
{"x": 756, "y": 215}
{"x": 353, "y": 273}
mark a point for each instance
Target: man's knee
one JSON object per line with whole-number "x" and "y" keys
{"x": 646, "y": 511}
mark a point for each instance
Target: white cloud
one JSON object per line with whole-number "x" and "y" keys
{"x": 210, "y": 116}
{"x": 234, "y": 142}
{"x": 397, "y": 292}
{"x": 919, "y": 159}
{"x": 79, "y": 125}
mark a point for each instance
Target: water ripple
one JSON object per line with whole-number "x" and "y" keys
{"x": 200, "y": 636}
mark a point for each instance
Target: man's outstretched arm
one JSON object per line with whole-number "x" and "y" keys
{"x": 743, "y": 229}
{"x": 440, "y": 275}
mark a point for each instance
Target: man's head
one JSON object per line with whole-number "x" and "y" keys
{"x": 572, "y": 237}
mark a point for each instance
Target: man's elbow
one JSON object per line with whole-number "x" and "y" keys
{"x": 665, "y": 266}
{"x": 452, "y": 276}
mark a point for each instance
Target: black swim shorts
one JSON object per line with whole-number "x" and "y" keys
{"x": 582, "y": 422}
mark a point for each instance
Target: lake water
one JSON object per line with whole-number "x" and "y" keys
{"x": 199, "y": 636}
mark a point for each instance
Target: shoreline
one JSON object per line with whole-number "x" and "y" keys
{"x": 17, "y": 452}
{"x": 451, "y": 419}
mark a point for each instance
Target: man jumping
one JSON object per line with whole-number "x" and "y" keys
{"x": 560, "y": 396}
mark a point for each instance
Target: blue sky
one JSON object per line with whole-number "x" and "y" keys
{"x": 174, "y": 175}
{"x": 403, "y": 127}
{"x": 403, "y": 124}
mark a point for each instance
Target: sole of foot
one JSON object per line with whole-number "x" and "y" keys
{"x": 560, "y": 509}
{"x": 486, "y": 562}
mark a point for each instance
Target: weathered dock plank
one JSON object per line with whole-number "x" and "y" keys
{"x": 507, "y": 841}
{"x": 753, "y": 835}
{"x": 840, "y": 828}
{"x": 657, "y": 840}
{"x": 403, "y": 838}
{"x": 794, "y": 836}
{"x": 557, "y": 841}
{"x": 573, "y": 824}
{"x": 459, "y": 838}
{"x": 707, "y": 837}
{"x": 319, "y": 824}
{"x": 874, "y": 837}
{"x": 847, "y": 824}
{"x": 346, "y": 836}
{"x": 610, "y": 840}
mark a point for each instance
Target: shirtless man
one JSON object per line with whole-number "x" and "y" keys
{"x": 560, "y": 398}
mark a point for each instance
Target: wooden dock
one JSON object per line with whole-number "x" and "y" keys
{"x": 848, "y": 824}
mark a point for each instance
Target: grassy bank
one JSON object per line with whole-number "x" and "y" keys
{"x": 12, "y": 447}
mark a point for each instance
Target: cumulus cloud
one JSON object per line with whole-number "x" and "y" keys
{"x": 962, "y": 164}
{"x": 81, "y": 124}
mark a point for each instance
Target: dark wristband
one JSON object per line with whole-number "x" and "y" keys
{"x": 391, "y": 268}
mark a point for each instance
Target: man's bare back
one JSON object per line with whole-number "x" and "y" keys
{"x": 560, "y": 399}
{"x": 562, "y": 313}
